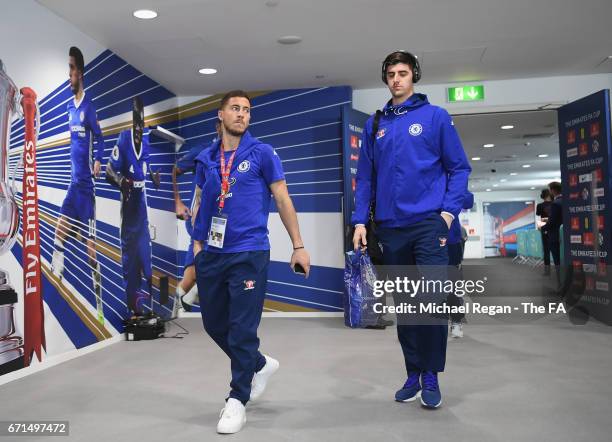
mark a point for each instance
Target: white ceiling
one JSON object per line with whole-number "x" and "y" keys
{"x": 537, "y": 128}
{"x": 345, "y": 40}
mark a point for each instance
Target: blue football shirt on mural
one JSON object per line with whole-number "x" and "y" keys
{"x": 133, "y": 164}
{"x": 84, "y": 132}
{"x": 247, "y": 205}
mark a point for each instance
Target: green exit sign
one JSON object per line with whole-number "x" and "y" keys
{"x": 465, "y": 93}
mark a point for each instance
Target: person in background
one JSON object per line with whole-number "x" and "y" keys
{"x": 464, "y": 238}
{"x": 187, "y": 289}
{"x": 552, "y": 226}
{"x": 543, "y": 211}
{"x": 455, "y": 245}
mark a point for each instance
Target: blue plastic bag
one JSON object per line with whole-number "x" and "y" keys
{"x": 359, "y": 299}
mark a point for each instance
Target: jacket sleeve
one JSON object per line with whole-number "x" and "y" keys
{"x": 455, "y": 163}
{"x": 363, "y": 181}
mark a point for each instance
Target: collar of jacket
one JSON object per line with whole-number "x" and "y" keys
{"x": 412, "y": 102}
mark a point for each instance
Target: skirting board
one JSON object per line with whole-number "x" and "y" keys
{"x": 55, "y": 360}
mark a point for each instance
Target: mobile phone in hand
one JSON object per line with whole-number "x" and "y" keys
{"x": 298, "y": 269}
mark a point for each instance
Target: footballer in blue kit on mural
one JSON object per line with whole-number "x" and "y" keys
{"x": 78, "y": 211}
{"x": 128, "y": 169}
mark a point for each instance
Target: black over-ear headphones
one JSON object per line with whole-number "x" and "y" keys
{"x": 402, "y": 57}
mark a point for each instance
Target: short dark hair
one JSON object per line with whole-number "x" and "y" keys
{"x": 233, "y": 94}
{"x": 402, "y": 57}
{"x": 555, "y": 187}
{"x": 545, "y": 194}
{"x": 78, "y": 58}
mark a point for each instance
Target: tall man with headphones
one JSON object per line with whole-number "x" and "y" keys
{"x": 413, "y": 166}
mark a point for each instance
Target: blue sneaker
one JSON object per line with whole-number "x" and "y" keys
{"x": 411, "y": 389}
{"x": 430, "y": 396}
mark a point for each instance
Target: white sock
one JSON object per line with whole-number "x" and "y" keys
{"x": 192, "y": 295}
{"x": 59, "y": 245}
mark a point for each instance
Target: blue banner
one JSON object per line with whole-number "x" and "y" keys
{"x": 584, "y": 142}
{"x": 353, "y": 124}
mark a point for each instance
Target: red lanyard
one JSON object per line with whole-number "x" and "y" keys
{"x": 225, "y": 173}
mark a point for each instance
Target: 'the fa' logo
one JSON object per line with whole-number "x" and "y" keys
{"x": 380, "y": 134}
{"x": 442, "y": 240}
{"x": 249, "y": 285}
{"x": 415, "y": 129}
{"x": 244, "y": 166}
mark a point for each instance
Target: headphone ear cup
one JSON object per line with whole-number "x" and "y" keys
{"x": 416, "y": 71}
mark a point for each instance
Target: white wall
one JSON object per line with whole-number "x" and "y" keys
{"x": 34, "y": 45}
{"x": 503, "y": 95}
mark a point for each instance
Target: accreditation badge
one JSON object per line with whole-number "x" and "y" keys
{"x": 216, "y": 234}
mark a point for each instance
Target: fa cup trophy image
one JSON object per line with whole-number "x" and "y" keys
{"x": 15, "y": 351}
{"x": 11, "y": 346}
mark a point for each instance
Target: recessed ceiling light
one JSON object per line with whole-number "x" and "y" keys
{"x": 526, "y": 166}
{"x": 488, "y": 145}
{"x": 503, "y": 180}
{"x": 289, "y": 40}
{"x": 488, "y": 190}
{"x": 207, "y": 71}
{"x": 145, "y": 14}
{"x": 475, "y": 158}
{"x": 495, "y": 185}
{"x": 513, "y": 173}
{"x": 543, "y": 155}
{"x": 507, "y": 127}
{"x": 532, "y": 188}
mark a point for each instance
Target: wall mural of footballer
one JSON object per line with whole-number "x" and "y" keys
{"x": 127, "y": 169}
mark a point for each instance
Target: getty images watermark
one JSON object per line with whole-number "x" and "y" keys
{"x": 427, "y": 296}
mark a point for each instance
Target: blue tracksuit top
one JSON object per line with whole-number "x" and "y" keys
{"x": 419, "y": 163}
{"x": 454, "y": 233}
{"x": 247, "y": 205}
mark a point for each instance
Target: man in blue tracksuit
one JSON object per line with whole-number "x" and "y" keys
{"x": 415, "y": 168}
{"x": 455, "y": 257}
{"x": 237, "y": 176}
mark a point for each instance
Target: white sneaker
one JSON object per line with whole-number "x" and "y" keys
{"x": 232, "y": 417}
{"x": 456, "y": 330}
{"x": 260, "y": 379}
{"x": 57, "y": 263}
{"x": 191, "y": 299}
